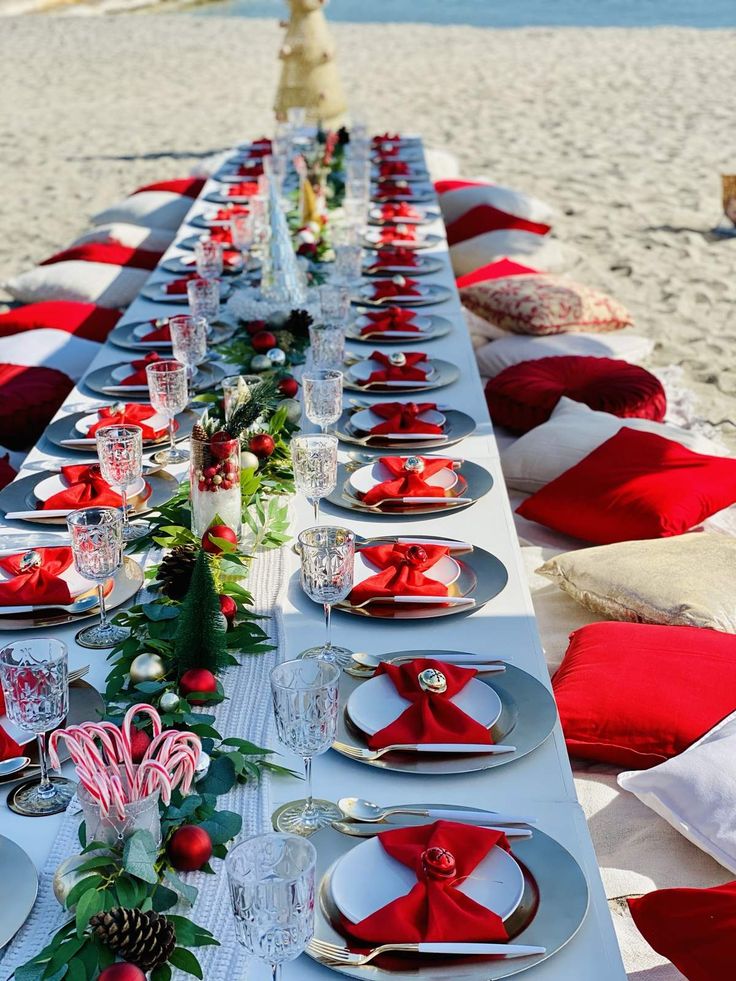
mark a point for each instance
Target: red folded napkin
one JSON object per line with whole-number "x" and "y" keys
{"x": 380, "y": 138}
{"x": 85, "y": 485}
{"x": 390, "y": 212}
{"x": 225, "y": 214}
{"x": 431, "y": 717}
{"x": 394, "y": 256}
{"x": 394, "y": 168}
{"x": 390, "y": 318}
{"x": 40, "y": 585}
{"x": 393, "y": 189}
{"x": 389, "y": 288}
{"x": 402, "y": 571}
{"x": 162, "y": 333}
{"x": 398, "y": 233}
{"x": 221, "y": 234}
{"x": 391, "y": 372}
{"x": 407, "y": 483}
{"x": 434, "y": 910}
{"x": 131, "y": 414}
{"x": 244, "y": 189}
{"x": 179, "y": 286}
{"x": 139, "y": 376}
{"x": 402, "y": 417}
{"x": 260, "y": 148}
{"x": 250, "y": 169}
{"x": 389, "y": 150}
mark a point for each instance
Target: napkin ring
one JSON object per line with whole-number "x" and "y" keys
{"x": 432, "y": 681}
{"x": 30, "y": 560}
{"x": 397, "y": 360}
{"x": 414, "y": 464}
{"x": 438, "y": 863}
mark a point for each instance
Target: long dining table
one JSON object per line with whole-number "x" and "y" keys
{"x": 539, "y": 784}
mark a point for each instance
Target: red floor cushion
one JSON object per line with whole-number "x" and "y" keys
{"x": 85, "y": 320}
{"x": 191, "y": 187}
{"x": 107, "y": 252}
{"x": 500, "y": 269}
{"x": 7, "y": 473}
{"x": 524, "y": 395}
{"x": 636, "y": 485}
{"x": 30, "y": 398}
{"x": 637, "y": 694}
{"x": 692, "y": 928}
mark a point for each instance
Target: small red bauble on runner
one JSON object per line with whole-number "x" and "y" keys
{"x": 256, "y": 327}
{"x": 139, "y": 743}
{"x": 121, "y": 972}
{"x": 217, "y": 531}
{"x": 289, "y": 386}
{"x": 228, "y": 608}
{"x": 262, "y": 445}
{"x": 189, "y": 848}
{"x": 263, "y": 341}
{"x": 197, "y": 680}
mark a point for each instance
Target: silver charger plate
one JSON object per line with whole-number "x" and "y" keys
{"x": 414, "y": 195}
{"x": 445, "y": 373}
{"x": 426, "y": 264}
{"x": 425, "y": 242}
{"x": 18, "y": 888}
{"x": 553, "y": 908}
{"x": 19, "y": 496}
{"x": 458, "y": 425}
{"x": 209, "y": 375}
{"x": 152, "y": 291}
{"x": 439, "y": 327}
{"x": 126, "y": 583}
{"x": 482, "y": 576}
{"x": 428, "y": 215}
{"x": 125, "y": 337}
{"x": 435, "y": 294}
{"x": 528, "y": 717}
{"x": 474, "y": 481}
{"x": 178, "y": 267}
{"x": 219, "y": 197}
{"x": 66, "y": 429}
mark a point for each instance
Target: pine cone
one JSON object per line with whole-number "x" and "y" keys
{"x": 199, "y": 432}
{"x": 175, "y": 572}
{"x": 143, "y": 939}
{"x": 298, "y": 323}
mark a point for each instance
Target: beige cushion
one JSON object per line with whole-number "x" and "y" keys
{"x": 544, "y": 304}
{"x": 686, "y": 580}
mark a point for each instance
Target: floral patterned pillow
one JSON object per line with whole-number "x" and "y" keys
{"x": 544, "y": 304}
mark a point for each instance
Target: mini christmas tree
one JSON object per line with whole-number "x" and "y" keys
{"x": 309, "y": 76}
{"x": 200, "y": 634}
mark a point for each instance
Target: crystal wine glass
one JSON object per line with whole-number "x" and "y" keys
{"x": 189, "y": 344}
{"x": 35, "y": 684}
{"x": 322, "y": 388}
{"x": 272, "y": 891}
{"x": 208, "y": 255}
{"x": 314, "y": 458}
{"x": 242, "y": 231}
{"x": 305, "y": 705}
{"x": 327, "y": 345}
{"x": 120, "y": 451}
{"x": 327, "y": 556}
{"x": 97, "y": 546}
{"x": 203, "y": 296}
{"x": 167, "y": 387}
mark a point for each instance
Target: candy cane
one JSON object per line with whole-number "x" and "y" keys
{"x": 118, "y": 795}
{"x": 155, "y": 772}
{"x": 144, "y": 709}
{"x": 182, "y": 765}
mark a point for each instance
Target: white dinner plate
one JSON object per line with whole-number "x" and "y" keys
{"x": 367, "y": 878}
{"x": 376, "y": 473}
{"x": 156, "y": 421}
{"x": 56, "y": 483}
{"x": 366, "y": 419}
{"x": 363, "y": 370}
{"x": 445, "y": 570}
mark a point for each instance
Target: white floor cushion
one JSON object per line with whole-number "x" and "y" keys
{"x": 156, "y": 209}
{"x": 88, "y": 282}
{"x": 514, "y": 348}
{"x": 457, "y": 202}
{"x": 540, "y": 251}
{"x": 50, "y": 349}
{"x": 131, "y": 236}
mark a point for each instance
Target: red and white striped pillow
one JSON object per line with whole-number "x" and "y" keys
{"x": 133, "y": 236}
{"x": 161, "y": 205}
{"x": 31, "y": 397}
{"x": 84, "y": 320}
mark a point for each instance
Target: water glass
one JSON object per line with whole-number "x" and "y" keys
{"x": 327, "y": 560}
{"x": 354, "y": 209}
{"x": 314, "y": 458}
{"x": 120, "y": 452}
{"x": 97, "y": 546}
{"x": 208, "y": 255}
{"x": 35, "y": 684}
{"x": 322, "y": 388}
{"x": 334, "y": 303}
{"x": 348, "y": 268}
{"x": 327, "y": 343}
{"x": 189, "y": 344}
{"x": 167, "y": 389}
{"x": 236, "y": 390}
{"x": 272, "y": 891}
{"x": 204, "y": 299}
{"x": 305, "y": 705}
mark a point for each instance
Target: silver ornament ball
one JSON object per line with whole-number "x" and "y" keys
{"x": 293, "y": 409}
{"x": 276, "y": 356}
{"x": 248, "y": 460}
{"x": 147, "y": 667}
{"x": 203, "y": 765}
{"x": 260, "y": 362}
{"x": 169, "y": 701}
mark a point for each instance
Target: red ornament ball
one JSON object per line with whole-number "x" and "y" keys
{"x": 197, "y": 680}
{"x": 228, "y": 608}
{"x": 139, "y": 743}
{"x": 263, "y": 341}
{"x": 121, "y": 972}
{"x": 189, "y": 848}
{"x": 289, "y": 386}
{"x": 262, "y": 445}
{"x": 217, "y": 531}
{"x": 222, "y": 445}
{"x": 255, "y": 327}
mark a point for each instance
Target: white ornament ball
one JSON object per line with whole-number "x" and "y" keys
{"x": 203, "y": 765}
{"x": 147, "y": 667}
{"x": 169, "y": 701}
{"x": 276, "y": 356}
{"x": 66, "y": 876}
{"x": 260, "y": 362}
{"x": 293, "y": 409}
{"x": 248, "y": 460}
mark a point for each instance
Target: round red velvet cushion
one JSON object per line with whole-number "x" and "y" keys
{"x": 30, "y": 398}
{"x": 84, "y": 320}
{"x": 523, "y": 395}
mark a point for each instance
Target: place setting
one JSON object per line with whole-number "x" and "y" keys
{"x": 130, "y": 378}
{"x": 218, "y": 217}
{"x": 392, "y": 169}
{"x": 177, "y": 290}
{"x": 77, "y": 430}
{"x": 388, "y": 260}
{"x": 396, "y": 325}
{"x": 402, "y": 213}
{"x": 401, "y": 371}
{"x": 402, "y": 425}
{"x": 240, "y": 192}
{"x": 401, "y": 189}
{"x": 155, "y": 334}
{"x": 402, "y": 235}
{"x": 400, "y": 290}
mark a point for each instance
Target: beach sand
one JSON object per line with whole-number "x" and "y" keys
{"x": 625, "y": 132}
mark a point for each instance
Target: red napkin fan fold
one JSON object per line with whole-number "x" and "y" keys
{"x": 402, "y": 569}
{"x": 403, "y": 417}
{"x": 39, "y": 585}
{"x": 407, "y": 483}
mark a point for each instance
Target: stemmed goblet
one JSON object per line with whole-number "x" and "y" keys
{"x": 35, "y": 684}
{"x": 272, "y": 891}
{"x": 327, "y": 345}
{"x": 97, "y": 546}
{"x": 167, "y": 388}
{"x": 314, "y": 458}
{"x": 242, "y": 232}
{"x": 327, "y": 556}
{"x": 305, "y": 705}
{"x": 189, "y": 344}
{"x": 120, "y": 451}
{"x": 322, "y": 388}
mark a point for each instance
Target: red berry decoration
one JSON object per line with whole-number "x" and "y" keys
{"x": 289, "y": 386}
{"x": 222, "y": 446}
{"x": 263, "y": 341}
{"x": 139, "y": 743}
{"x": 218, "y": 531}
{"x": 197, "y": 680}
{"x": 189, "y": 848}
{"x": 121, "y": 972}
{"x": 262, "y": 445}
{"x": 255, "y": 327}
{"x": 228, "y": 608}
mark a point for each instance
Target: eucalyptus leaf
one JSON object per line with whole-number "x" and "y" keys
{"x": 139, "y": 856}
{"x": 186, "y": 961}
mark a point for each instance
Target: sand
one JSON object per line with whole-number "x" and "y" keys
{"x": 625, "y": 132}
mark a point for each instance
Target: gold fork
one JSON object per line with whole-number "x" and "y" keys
{"x": 324, "y": 950}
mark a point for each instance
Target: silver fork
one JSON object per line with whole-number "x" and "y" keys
{"x": 322, "y": 949}
{"x": 369, "y": 755}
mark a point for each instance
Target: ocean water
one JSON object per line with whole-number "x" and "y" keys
{"x": 505, "y": 13}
